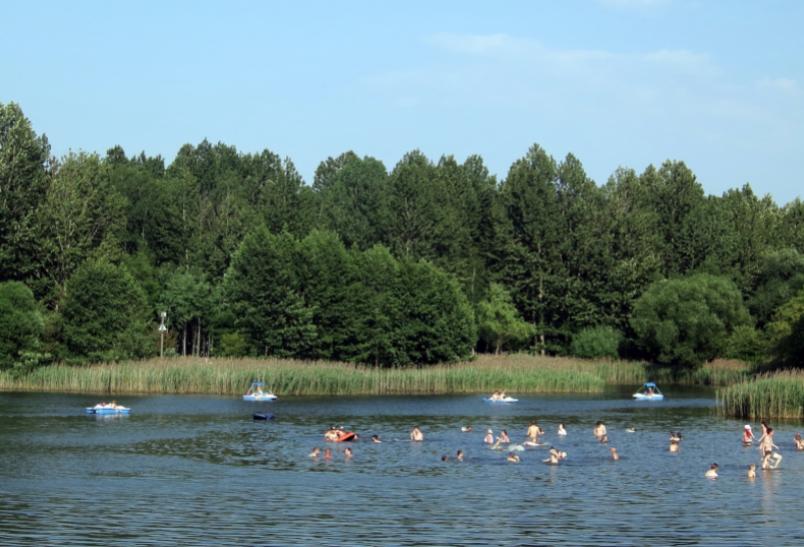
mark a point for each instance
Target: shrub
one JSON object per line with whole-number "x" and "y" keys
{"x": 596, "y": 342}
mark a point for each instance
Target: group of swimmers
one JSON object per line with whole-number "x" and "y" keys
{"x": 771, "y": 458}
{"x": 498, "y": 396}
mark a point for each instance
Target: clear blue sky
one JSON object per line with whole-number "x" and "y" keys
{"x": 718, "y": 84}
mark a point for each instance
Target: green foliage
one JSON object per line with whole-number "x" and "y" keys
{"x": 786, "y": 333}
{"x": 21, "y": 325}
{"x": 780, "y": 277}
{"x": 686, "y": 321}
{"x": 24, "y": 165}
{"x": 105, "y": 314}
{"x": 747, "y": 344}
{"x": 596, "y": 342}
{"x": 499, "y": 323}
{"x": 233, "y": 344}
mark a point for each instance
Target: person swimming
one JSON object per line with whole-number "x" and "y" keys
{"x": 466, "y": 429}
{"x": 513, "y": 457}
{"x": 600, "y": 432}
{"x": 502, "y": 439}
{"x": 711, "y": 473}
{"x": 347, "y": 454}
{"x": 752, "y": 471}
{"x": 416, "y": 434}
{"x": 315, "y": 453}
{"x": 444, "y": 458}
{"x": 614, "y": 455}
{"x": 327, "y": 454}
{"x": 748, "y": 435}
{"x": 675, "y": 441}
{"x": 798, "y": 441}
{"x": 489, "y": 438}
{"x": 459, "y": 456}
{"x": 375, "y": 439}
{"x": 555, "y": 457}
{"x": 561, "y": 431}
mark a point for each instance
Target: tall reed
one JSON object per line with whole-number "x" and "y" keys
{"x": 518, "y": 373}
{"x": 773, "y": 395}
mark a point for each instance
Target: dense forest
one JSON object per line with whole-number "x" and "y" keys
{"x": 428, "y": 262}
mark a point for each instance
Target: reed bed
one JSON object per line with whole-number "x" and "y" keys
{"x": 773, "y": 395}
{"x": 517, "y": 373}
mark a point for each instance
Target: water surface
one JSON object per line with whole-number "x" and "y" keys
{"x": 198, "y": 470}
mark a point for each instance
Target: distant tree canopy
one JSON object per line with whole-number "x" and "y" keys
{"x": 21, "y": 323}
{"x": 416, "y": 263}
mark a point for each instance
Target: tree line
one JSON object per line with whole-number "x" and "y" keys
{"x": 426, "y": 262}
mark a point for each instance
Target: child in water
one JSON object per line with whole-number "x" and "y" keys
{"x": 614, "y": 455}
{"x": 561, "y": 431}
{"x": 711, "y": 473}
{"x": 799, "y": 442}
{"x": 748, "y": 435}
{"x": 459, "y": 456}
{"x": 513, "y": 457}
{"x": 489, "y": 438}
{"x": 347, "y": 454}
{"x": 416, "y": 434}
{"x": 555, "y": 457}
{"x": 315, "y": 452}
{"x": 752, "y": 471}
{"x": 770, "y": 458}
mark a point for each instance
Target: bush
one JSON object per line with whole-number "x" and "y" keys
{"x": 233, "y": 344}
{"x": 684, "y": 322}
{"x": 746, "y": 344}
{"x": 21, "y": 324}
{"x": 596, "y": 342}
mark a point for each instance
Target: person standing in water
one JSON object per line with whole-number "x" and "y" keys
{"x": 416, "y": 434}
{"x": 459, "y": 456}
{"x": 770, "y": 458}
{"x": 561, "y": 431}
{"x": 347, "y": 454}
{"x": 614, "y": 455}
{"x": 555, "y": 457}
{"x": 711, "y": 473}
{"x": 748, "y": 435}
{"x": 675, "y": 441}
{"x": 752, "y": 471}
{"x": 533, "y": 432}
{"x": 489, "y": 438}
{"x": 799, "y": 442}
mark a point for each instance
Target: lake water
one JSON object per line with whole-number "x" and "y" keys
{"x": 192, "y": 470}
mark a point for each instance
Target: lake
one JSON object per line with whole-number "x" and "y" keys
{"x": 194, "y": 470}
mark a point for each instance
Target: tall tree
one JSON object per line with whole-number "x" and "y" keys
{"x": 24, "y": 175}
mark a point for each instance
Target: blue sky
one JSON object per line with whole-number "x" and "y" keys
{"x": 718, "y": 84}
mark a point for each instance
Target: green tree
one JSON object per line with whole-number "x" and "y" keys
{"x": 24, "y": 174}
{"x": 779, "y": 277}
{"x": 686, "y": 321}
{"x": 499, "y": 323}
{"x": 262, "y": 289}
{"x": 80, "y": 210}
{"x": 21, "y": 323}
{"x": 187, "y": 300}
{"x": 105, "y": 314}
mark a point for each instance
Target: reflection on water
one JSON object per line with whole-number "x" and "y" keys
{"x": 198, "y": 470}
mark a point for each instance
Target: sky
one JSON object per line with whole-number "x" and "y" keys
{"x": 618, "y": 83}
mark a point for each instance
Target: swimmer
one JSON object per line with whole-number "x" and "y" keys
{"x": 347, "y": 454}
{"x": 315, "y": 453}
{"x": 799, "y": 442}
{"x": 614, "y": 455}
{"x": 513, "y": 457}
{"x": 675, "y": 441}
{"x": 748, "y": 435}
{"x": 489, "y": 438}
{"x": 466, "y": 429}
{"x": 533, "y": 432}
{"x": 752, "y": 471}
{"x": 630, "y": 430}
{"x": 555, "y": 457}
{"x": 375, "y": 439}
{"x": 327, "y": 454}
{"x": 496, "y": 396}
{"x": 332, "y": 434}
{"x": 459, "y": 456}
{"x": 561, "y": 431}
{"x": 711, "y": 473}
{"x": 502, "y": 439}
{"x": 444, "y": 458}
{"x": 600, "y": 432}
{"x": 416, "y": 434}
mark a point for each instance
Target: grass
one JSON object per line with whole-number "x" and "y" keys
{"x": 772, "y": 395}
{"x": 518, "y": 373}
